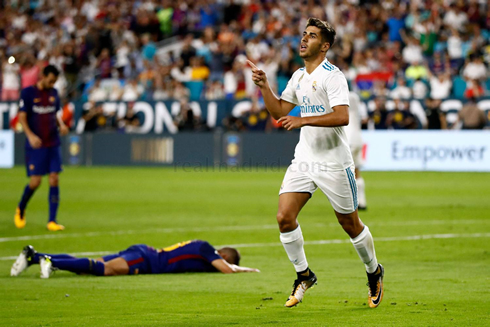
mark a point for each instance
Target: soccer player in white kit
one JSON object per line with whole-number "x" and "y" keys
{"x": 322, "y": 158}
{"x": 353, "y": 132}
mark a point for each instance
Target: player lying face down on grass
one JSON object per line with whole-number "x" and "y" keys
{"x": 189, "y": 256}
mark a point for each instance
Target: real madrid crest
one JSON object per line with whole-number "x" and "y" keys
{"x": 313, "y": 86}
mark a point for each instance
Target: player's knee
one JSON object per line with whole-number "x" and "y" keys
{"x": 53, "y": 180}
{"x": 350, "y": 226}
{"x": 108, "y": 270}
{"x": 34, "y": 183}
{"x": 286, "y": 221}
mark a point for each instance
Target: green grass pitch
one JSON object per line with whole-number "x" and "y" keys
{"x": 440, "y": 279}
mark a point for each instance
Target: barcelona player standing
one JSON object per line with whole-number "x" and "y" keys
{"x": 39, "y": 105}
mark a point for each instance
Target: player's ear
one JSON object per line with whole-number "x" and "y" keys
{"x": 325, "y": 46}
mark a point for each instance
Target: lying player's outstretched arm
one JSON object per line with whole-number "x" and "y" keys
{"x": 339, "y": 117}
{"x": 276, "y": 106}
{"x": 227, "y": 268}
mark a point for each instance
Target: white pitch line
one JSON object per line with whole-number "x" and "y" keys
{"x": 376, "y": 239}
{"x": 130, "y": 231}
{"x": 226, "y": 228}
{"x": 318, "y": 242}
{"x": 75, "y": 254}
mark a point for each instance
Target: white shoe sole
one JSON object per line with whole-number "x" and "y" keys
{"x": 19, "y": 265}
{"x": 46, "y": 268}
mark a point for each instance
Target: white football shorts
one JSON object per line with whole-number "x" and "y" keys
{"x": 338, "y": 185}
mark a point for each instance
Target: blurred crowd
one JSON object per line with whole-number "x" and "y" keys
{"x": 190, "y": 50}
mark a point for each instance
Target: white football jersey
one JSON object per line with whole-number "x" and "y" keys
{"x": 316, "y": 94}
{"x": 353, "y": 130}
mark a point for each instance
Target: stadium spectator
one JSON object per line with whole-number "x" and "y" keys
{"x": 396, "y": 23}
{"x": 456, "y": 17}
{"x": 435, "y": 117}
{"x": 440, "y": 85}
{"x": 199, "y": 71}
{"x": 94, "y": 117}
{"x": 132, "y": 91}
{"x": 475, "y": 69}
{"x": 401, "y": 91}
{"x": 97, "y": 93}
{"x": 10, "y": 80}
{"x": 104, "y": 65}
{"x": 416, "y": 70}
{"x": 419, "y": 89}
{"x": 214, "y": 91}
{"x": 130, "y": 121}
{"x": 257, "y": 118}
{"x": 187, "y": 51}
{"x": 180, "y": 92}
{"x": 380, "y": 89}
{"x": 400, "y": 117}
{"x": 412, "y": 53}
{"x": 70, "y": 65}
{"x": 380, "y": 114}
{"x": 179, "y": 71}
{"x": 147, "y": 80}
{"x": 29, "y": 71}
{"x": 234, "y": 81}
{"x": 473, "y": 89}
{"x": 437, "y": 64}
{"x": 455, "y": 47}
{"x": 186, "y": 120}
{"x": 471, "y": 117}
{"x": 149, "y": 49}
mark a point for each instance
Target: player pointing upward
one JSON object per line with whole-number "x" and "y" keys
{"x": 322, "y": 157}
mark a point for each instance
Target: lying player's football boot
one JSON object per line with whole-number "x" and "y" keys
{"x": 24, "y": 260}
{"x": 46, "y": 266}
{"x": 20, "y": 218}
{"x": 376, "y": 288}
{"x": 54, "y": 226}
{"x": 299, "y": 289}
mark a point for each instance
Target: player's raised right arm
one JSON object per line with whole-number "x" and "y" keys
{"x": 276, "y": 106}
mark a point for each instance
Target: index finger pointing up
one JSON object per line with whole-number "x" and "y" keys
{"x": 252, "y": 65}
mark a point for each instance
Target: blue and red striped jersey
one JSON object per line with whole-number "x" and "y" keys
{"x": 190, "y": 256}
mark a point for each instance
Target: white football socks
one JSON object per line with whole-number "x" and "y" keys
{"x": 364, "y": 245}
{"x": 293, "y": 244}
{"x": 361, "y": 192}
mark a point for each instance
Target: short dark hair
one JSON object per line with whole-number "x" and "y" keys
{"x": 326, "y": 30}
{"x": 232, "y": 254}
{"x": 50, "y": 69}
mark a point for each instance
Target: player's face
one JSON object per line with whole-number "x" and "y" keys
{"x": 311, "y": 43}
{"x": 49, "y": 81}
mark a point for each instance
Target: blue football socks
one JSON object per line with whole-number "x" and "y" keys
{"x": 25, "y": 198}
{"x": 54, "y": 200}
{"x": 38, "y": 256}
{"x": 85, "y": 266}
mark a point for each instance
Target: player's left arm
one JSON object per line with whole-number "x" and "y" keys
{"x": 339, "y": 117}
{"x": 226, "y": 268}
{"x": 338, "y": 97}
